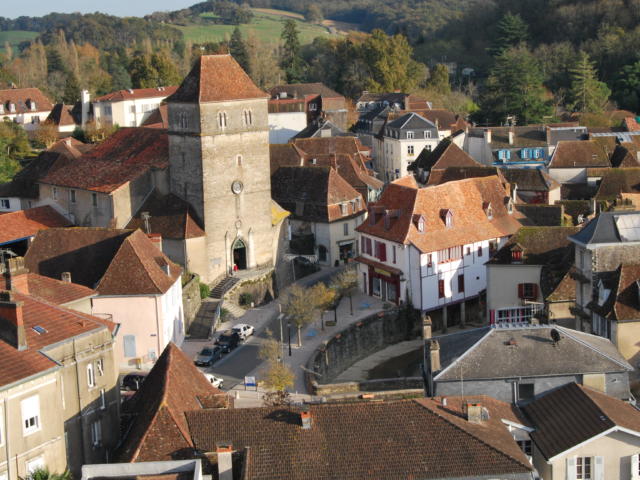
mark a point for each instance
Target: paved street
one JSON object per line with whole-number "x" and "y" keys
{"x": 244, "y": 360}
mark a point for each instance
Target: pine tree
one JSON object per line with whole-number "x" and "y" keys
{"x": 587, "y": 93}
{"x": 143, "y": 75}
{"x": 291, "y": 61}
{"x": 238, "y": 49}
{"x": 512, "y": 31}
{"x": 71, "y": 92}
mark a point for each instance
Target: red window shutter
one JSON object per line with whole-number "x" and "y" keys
{"x": 480, "y": 251}
{"x": 521, "y": 290}
{"x": 460, "y": 283}
{"x": 363, "y": 245}
{"x": 383, "y": 252}
{"x": 440, "y": 288}
{"x": 369, "y": 249}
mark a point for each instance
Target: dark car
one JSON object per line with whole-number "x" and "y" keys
{"x": 133, "y": 381}
{"x": 228, "y": 340}
{"x": 207, "y": 356}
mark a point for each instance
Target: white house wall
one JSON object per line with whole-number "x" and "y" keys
{"x": 283, "y": 126}
{"x": 569, "y": 175}
{"x": 502, "y": 284}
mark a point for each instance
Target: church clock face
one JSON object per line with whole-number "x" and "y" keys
{"x": 236, "y": 187}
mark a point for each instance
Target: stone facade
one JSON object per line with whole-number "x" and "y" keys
{"x": 206, "y": 158}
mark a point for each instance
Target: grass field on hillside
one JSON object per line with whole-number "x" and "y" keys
{"x": 14, "y": 37}
{"x": 266, "y": 25}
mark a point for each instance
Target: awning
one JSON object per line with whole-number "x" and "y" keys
{"x": 380, "y": 268}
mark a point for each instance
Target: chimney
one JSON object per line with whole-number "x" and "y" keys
{"x": 85, "y": 103}
{"x": 426, "y": 327}
{"x": 224, "y": 451}
{"x": 475, "y": 413}
{"x": 548, "y": 135}
{"x": 16, "y": 274}
{"x": 156, "y": 239}
{"x": 66, "y": 277}
{"x": 487, "y": 135}
{"x": 11, "y": 321}
{"x": 434, "y": 355}
{"x": 511, "y": 135}
{"x": 145, "y": 218}
{"x": 305, "y": 418}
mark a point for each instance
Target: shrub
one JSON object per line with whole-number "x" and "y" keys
{"x": 204, "y": 290}
{"x": 245, "y": 299}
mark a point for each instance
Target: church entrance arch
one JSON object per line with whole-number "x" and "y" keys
{"x": 239, "y": 254}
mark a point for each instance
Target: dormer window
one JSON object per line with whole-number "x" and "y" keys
{"x": 343, "y": 208}
{"x": 358, "y": 203}
{"x": 516, "y": 255}
{"x": 421, "y": 224}
{"x": 509, "y": 203}
{"x": 410, "y": 135}
{"x": 447, "y": 217}
{"x": 488, "y": 210}
{"x": 12, "y": 107}
{"x": 1, "y": 109}
{"x": 32, "y": 104}
{"x": 427, "y": 134}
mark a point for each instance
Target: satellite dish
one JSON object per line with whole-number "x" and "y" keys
{"x": 555, "y": 336}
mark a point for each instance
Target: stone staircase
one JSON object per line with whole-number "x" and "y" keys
{"x": 234, "y": 310}
{"x": 223, "y": 287}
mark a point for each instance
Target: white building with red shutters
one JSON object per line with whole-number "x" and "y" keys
{"x": 430, "y": 245}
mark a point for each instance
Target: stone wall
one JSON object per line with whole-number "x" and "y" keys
{"x": 412, "y": 384}
{"x": 260, "y": 288}
{"x": 356, "y": 342}
{"x": 191, "y": 300}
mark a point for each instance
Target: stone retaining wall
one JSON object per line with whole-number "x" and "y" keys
{"x": 191, "y": 300}
{"x": 414, "y": 384}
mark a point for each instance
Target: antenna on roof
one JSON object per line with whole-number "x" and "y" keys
{"x": 555, "y": 336}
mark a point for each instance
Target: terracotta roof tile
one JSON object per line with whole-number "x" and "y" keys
{"x": 579, "y": 154}
{"x": 126, "y": 155}
{"x": 626, "y": 294}
{"x": 22, "y": 98}
{"x": 52, "y": 290}
{"x": 464, "y": 198}
{"x": 158, "y": 429}
{"x": 301, "y": 90}
{"x": 61, "y": 115}
{"x": 376, "y": 440}
{"x": 170, "y": 216}
{"x": 216, "y": 78}
{"x": 451, "y": 174}
{"x": 617, "y": 181}
{"x": 574, "y": 414}
{"x": 626, "y": 154}
{"x": 26, "y": 223}
{"x": 137, "y": 93}
{"x": 446, "y": 154}
{"x": 530, "y": 179}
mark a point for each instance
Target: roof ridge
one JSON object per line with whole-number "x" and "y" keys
{"x": 140, "y": 259}
{"x": 466, "y": 352}
{"x": 472, "y": 434}
{"x": 582, "y": 342}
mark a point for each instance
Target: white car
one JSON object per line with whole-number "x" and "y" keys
{"x": 215, "y": 381}
{"x": 244, "y": 330}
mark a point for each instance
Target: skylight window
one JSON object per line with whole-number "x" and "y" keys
{"x": 39, "y": 330}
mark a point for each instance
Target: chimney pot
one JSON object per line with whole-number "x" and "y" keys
{"x": 12, "y": 321}
{"x": 487, "y": 135}
{"x": 426, "y": 327}
{"x": 444, "y": 401}
{"x": 16, "y": 274}
{"x": 224, "y": 452}
{"x": 66, "y": 277}
{"x": 305, "y": 417}
{"x": 511, "y": 135}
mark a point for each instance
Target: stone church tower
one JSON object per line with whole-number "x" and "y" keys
{"x": 219, "y": 162}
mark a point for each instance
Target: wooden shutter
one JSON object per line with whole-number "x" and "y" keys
{"x": 521, "y": 290}
{"x": 440, "y": 288}
{"x": 363, "y": 245}
{"x": 571, "y": 468}
{"x": 635, "y": 467}
{"x": 598, "y": 468}
{"x": 383, "y": 252}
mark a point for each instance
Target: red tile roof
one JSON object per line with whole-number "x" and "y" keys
{"x": 26, "y": 223}
{"x": 59, "y": 324}
{"x": 136, "y": 93}
{"x": 580, "y": 154}
{"x": 126, "y": 155}
{"x": 52, "y": 290}
{"x": 363, "y": 440}
{"x": 465, "y": 199}
{"x": 61, "y": 115}
{"x": 158, "y": 430}
{"x": 22, "y": 98}
{"x": 216, "y": 78}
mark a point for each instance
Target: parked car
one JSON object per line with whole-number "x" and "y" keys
{"x": 244, "y": 330}
{"x": 133, "y": 381}
{"x": 228, "y": 340}
{"x": 215, "y": 381}
{"x": 208, "y": 356}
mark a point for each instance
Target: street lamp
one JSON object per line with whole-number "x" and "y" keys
{"x": 289, "y": 332}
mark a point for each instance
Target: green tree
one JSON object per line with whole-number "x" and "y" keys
{"x": 587, "y": 93}
{"x": 390, "y": 63}
{"x": 627, "y": 87}
{"x": 44, "y": 474}
{"x": 511, "y": 32}
{"x": 142, "y": 73}
{"x": 71, "y": 92}
{"x": 290, "y": 60}
{"x": 239, "y": 51}
{"x": 439, "y": 79}
{"x": 299, "y": 307}
{"x": 313, "y": 14}
{"x": 166, "y": 71}
{"x": 344, "y": 285}
{"x": 278, "y": 376}
{"x": 514, "y": 89}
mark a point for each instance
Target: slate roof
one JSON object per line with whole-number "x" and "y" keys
{"x": 301, "y": 90}
{"x": 136, "y": 94}
{"x": 623, "y": 303}
{"x": 363, "y": 440}
{"x": 617, "y": 181}
{"x": 465, "y": 199}
{"x": 60, "y": 324}
{"x": 579, "y": 154}
{"x": 22, "y": 98}
{"x": 446, "y": 154}
{"x": 443, "y": 119}
{"x": 533, "y": 355}
{"x": 557, "y": 134}
{"x": 216, "y": 78}
{"x": 50, "y": 289}
{"x": 411, "y": 121}
{"x": 170, "y": 216}
{"x": 319, "y": 129}
{"x": 157, "y": 427}
{"x": 602, "y": 229}
{"x": 314, "y": 194}
{"x": 126, "y": 155}
{"x": 114, "y": 262}
{"x": 530, "y": 179}
{"x": 574, "y": 414}
{"x": 26, "y": 223}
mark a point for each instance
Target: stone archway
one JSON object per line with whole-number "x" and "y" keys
{"x": 239, "y": 254}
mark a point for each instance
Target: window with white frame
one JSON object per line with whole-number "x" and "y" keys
{"x": 427, "y": 134}
{"x": 410, "y": 150}
{"x": 96, "y": 433}
{"x": 343, "y": 209}
{"x": 409, "y": 135}
{"x": 91, "y": 376}
{"x": 30, "y": 409}
{"x": 583, "y": 468}
{"x": 5, "y": 203}
{"x": 345, "y": 228}
{"x": 72, "y": 196}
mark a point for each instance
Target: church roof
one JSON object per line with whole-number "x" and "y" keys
{"x": 216, "y": 78}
